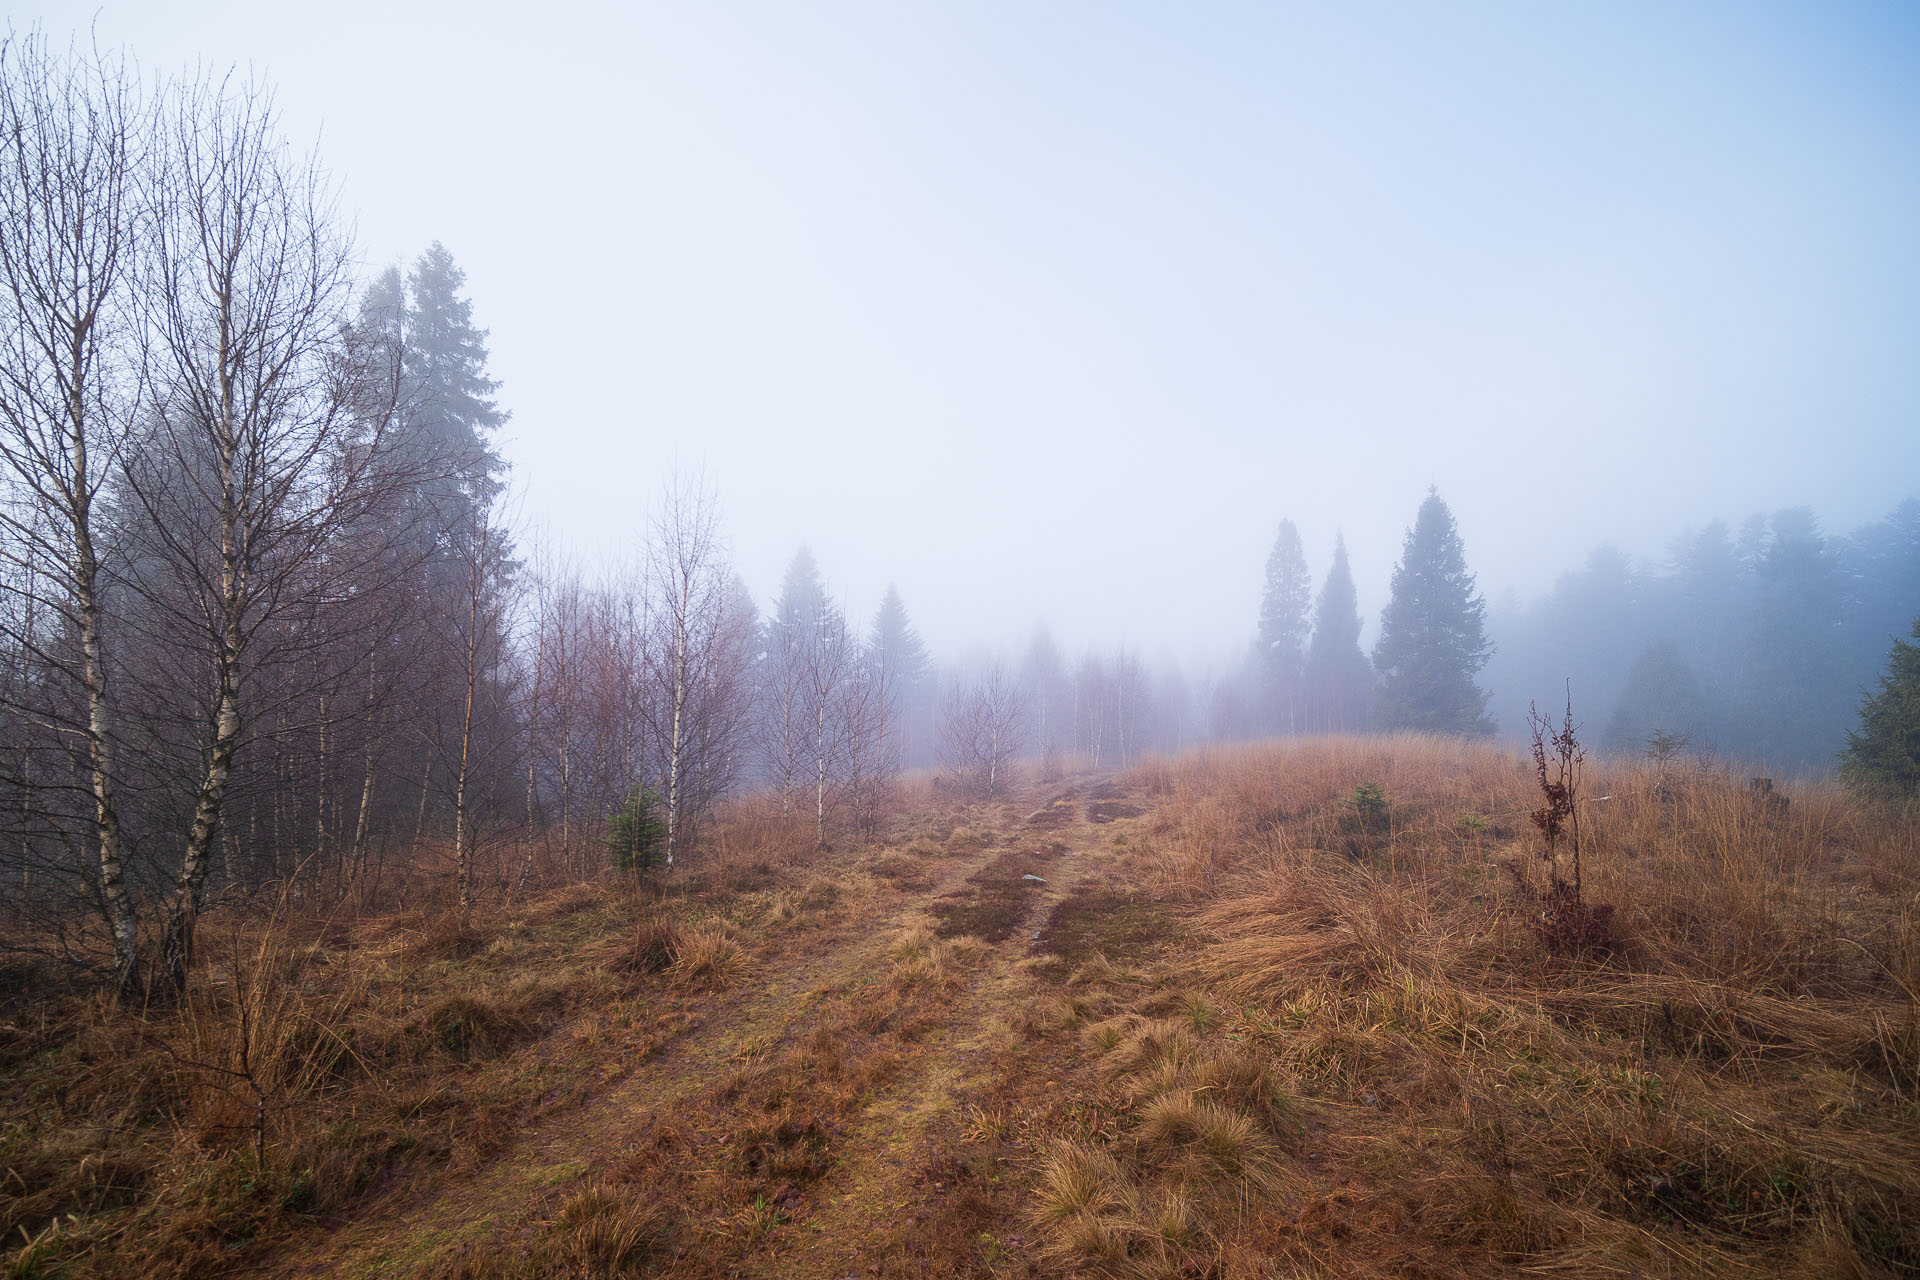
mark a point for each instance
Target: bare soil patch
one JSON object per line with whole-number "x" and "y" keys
{"x": 995, "y": 900}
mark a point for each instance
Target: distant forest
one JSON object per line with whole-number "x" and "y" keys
{"x": 1756, "y": 646}
{"x": 263, "y": 620}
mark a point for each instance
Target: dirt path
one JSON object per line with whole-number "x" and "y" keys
{"x": 472, "y": 1205}
{"x": 876, "y": 1184}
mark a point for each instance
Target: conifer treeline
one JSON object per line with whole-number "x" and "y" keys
{"x": 1309, "y": 674}
{"x": 1759, "y": 646}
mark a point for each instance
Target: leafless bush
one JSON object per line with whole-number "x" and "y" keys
{"x": 981, "y": 732}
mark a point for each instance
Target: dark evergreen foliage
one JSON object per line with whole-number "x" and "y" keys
{"x": 899, "y": 657}
{"x": 802, "y": 600}
{"x": 637, "y": 832}
{"x": 1339, "y": 678}
{"x": 897, "y": 648}
{"x": 1432, "y": 634}
{"x": 451, "y": 396}
{"x": 1663, "y": 695}
{"x": 1883, "y": 755}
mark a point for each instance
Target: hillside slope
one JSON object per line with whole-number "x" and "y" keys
{"x": 1295, "y": 1010}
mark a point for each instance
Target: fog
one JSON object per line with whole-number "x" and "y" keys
{"x": 1049, "y": 315}
{"x": 1054, "y": 319}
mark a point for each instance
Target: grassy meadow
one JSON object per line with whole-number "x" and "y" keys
{"x": 1298, "y": 1009}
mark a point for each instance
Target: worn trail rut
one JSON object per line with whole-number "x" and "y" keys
{"x": 876, "y": 1181}
{"x": 877, "y": 1156}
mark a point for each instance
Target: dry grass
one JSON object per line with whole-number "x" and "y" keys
{"x": 598, "y": 1232}
{"x": 1264, "y": 1031}
{"x": 654, "y": 945}
{"x": 1733, "y": 1089}
{"x": 708, "y": 955}
{"x": 964, "y": 839}
{"x": 315, "y": 1063}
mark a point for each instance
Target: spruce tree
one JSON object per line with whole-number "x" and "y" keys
{"x": 1662, "y": 695}
{"x": 1883, "y": 755}
{"x": 452, "y": 413}
{"x": 1432, "y": 634}
{"x": 899, "y": 659}
{"x": 897, "y": 647}
{"x": 793, "y": 633}
{"x": 802, "y": 599}
{"x": 1279, "y": 647}
{"x": 380, "y": 323}
{"x": 1339, "y": 679}
{"x": 377, "y": 341}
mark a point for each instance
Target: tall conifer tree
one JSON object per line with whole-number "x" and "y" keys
{"x": 1339, "y": 679}
{"x": 896, "y": 645}
{"x": 792, "y": 640}
{"x": 452, "y": 414}
{"x": 1662, "y": 695}
{"x": 380, "y": 322}
{"x": 899, "y": 659}
{"x": 1280, "y": 645}
{"x": 1433, "y": 634}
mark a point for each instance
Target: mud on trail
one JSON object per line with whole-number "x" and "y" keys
{"x": 842, "y": 1105}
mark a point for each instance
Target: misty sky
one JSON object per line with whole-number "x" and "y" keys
{"x": 1052, "y": 311}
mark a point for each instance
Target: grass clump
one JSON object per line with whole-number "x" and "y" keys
{"x": 708, "y": 956}
{"x": 653, "y": 946}
{"x": 602, "y": 1232}
{"x": 473, "y": 1027}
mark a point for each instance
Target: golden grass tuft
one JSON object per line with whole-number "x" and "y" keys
{"x": 915, "y": 941}
{"x": 1142, "y": 1043}
{"x": 923, "y": 960}
{"x": 652, "y": 947}
{"x": 601, "y": 1232}
{"x": 707, "y": 956}
{"x": 1244, "y": 1080}
{"x": 964, "y": 839}
{"x": 1077, "y": 1181}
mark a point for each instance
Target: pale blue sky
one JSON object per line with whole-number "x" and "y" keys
{"x": 1053, "y": 310}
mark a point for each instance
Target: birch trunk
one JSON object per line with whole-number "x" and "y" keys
{"x": 462, "y": 822}
{"x": 122, "y": 922}
{"x": 675, "y": 746}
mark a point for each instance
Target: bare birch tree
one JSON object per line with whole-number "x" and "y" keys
{"x": 830, "y": 657}
{"x": 689, "y": 581}
{"x": 70, "y": 137}
{"x": 872, "y": 713}
{"x": 477, "y": 614}
{"x": 243, "y": 475}
{"x": 981, "y": 731}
